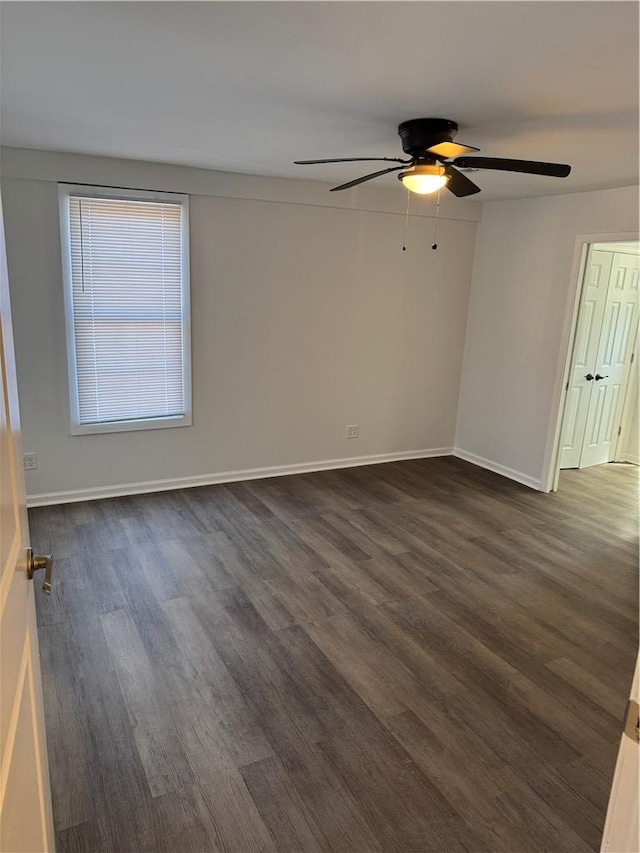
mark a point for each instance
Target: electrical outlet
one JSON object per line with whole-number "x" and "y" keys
{"x": 29, "y": 461}
{"x": 353, "y": 430}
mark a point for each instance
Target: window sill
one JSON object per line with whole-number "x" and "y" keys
{"x": 130, "y": 426}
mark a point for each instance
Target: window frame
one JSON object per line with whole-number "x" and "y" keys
{"x": 65, "y": 192}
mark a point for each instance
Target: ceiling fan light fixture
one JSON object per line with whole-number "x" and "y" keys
{"x": 424, "y": 179}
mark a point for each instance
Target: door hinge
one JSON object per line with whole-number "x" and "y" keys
{"x": 566, "y": 387}
{"x": 619, "y": 430}
{"x": 633, "y": 355}
{"x": 632, "y": 721}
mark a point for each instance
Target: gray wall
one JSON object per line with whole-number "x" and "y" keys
{"x": 306, "y": 317}
{"x": 518, "y": 320}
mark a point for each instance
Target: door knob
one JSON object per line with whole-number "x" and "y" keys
{"x": 589, "y": 377}
{"x": 35, "y": 562}
{"x": 598, "y": 377}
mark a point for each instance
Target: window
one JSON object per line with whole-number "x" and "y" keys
{"x": 126, "y": 279}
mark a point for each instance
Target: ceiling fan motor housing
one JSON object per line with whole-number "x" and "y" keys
{"x": 418, "y": 134}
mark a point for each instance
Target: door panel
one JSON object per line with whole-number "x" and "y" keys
{"x": 23, "y": 780}
{"x": 619, "y": 322}
{"x": 585, "y": 352}
{"x": 622, "y": 829}
{"x": 573, "y": 406}
{"x": 601, "y": 425}
{"x": 25, "y": 799}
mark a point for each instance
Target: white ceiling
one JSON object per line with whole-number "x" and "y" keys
{"x": 251, "y": 86}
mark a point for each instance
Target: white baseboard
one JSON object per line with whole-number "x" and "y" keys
{"x": 518, "y": 476}
{"x": 121, "y": 489}
{"x": 629, "y": 457}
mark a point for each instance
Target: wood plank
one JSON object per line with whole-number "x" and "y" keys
{"x": 416, "y": 656}
{"x": 291, "y": 825}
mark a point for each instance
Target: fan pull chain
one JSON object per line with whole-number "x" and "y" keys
{"x": 406, "y": 222}
{"x": 434, "y": 245}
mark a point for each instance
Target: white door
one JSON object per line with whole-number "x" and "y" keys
{"x": 613, "y": 361}
{"x": 581, "y": 379}
{"x": 621, "y": 829}
{"x": 25, "y": 800}
{"x": 601, "y": 359}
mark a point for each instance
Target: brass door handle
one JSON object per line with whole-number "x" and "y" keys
{"x": 35, "y": 562}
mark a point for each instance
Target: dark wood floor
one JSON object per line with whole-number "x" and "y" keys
{"x": 418, "y": 656}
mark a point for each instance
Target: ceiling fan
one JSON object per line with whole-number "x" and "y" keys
{"x": 435, "y": 159}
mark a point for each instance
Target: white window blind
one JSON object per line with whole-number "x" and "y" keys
{"x": 128, "y": 307}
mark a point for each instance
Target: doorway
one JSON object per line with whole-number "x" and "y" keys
{"x": 599, "y": 422}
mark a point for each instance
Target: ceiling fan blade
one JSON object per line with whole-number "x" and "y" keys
{"x": 449, "y": 150}
{"x": 350, "y": 160}
{"x": 529, "y": 167}
{"x": 459, "y": 184}
{"x": 366, "y": 178}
